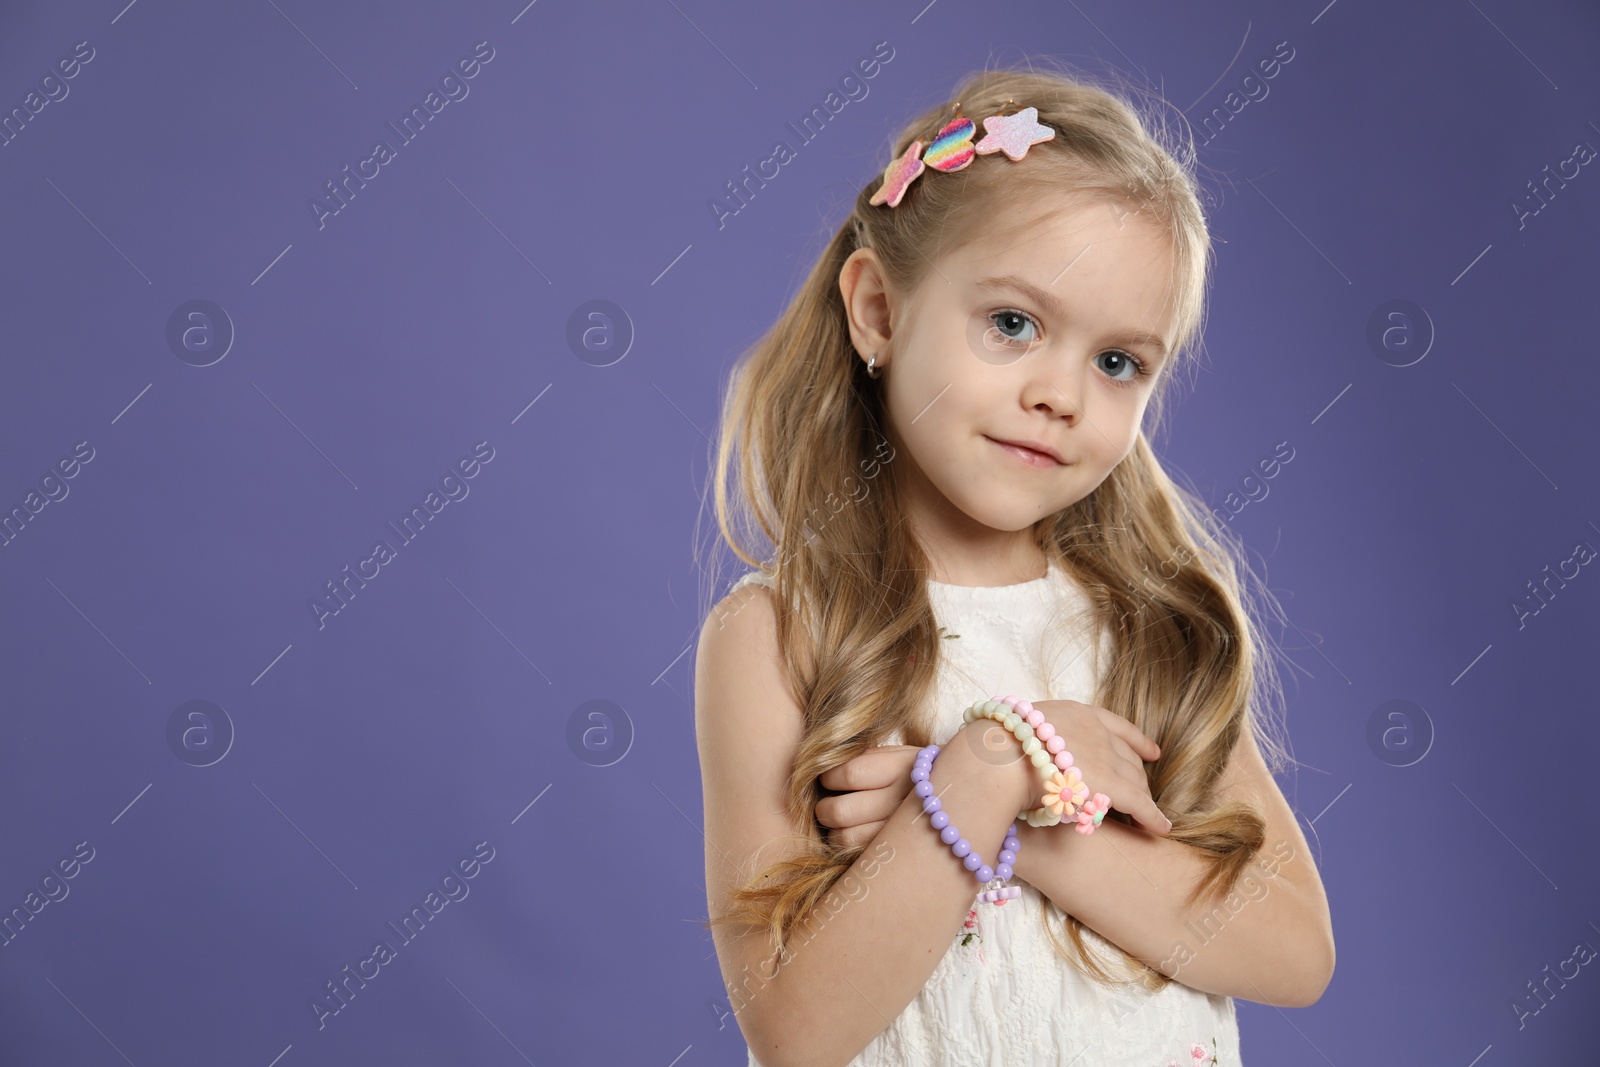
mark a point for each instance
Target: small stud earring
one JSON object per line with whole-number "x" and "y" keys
{"x": 871, "y": 373}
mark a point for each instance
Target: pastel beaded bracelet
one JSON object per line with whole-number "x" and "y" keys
{"x": 994, "y": 878}
{"x": 1066, "y": 797}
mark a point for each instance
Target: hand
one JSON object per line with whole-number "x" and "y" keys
{"x": 1108, "y": 750}
{"x": 870, "y": 788}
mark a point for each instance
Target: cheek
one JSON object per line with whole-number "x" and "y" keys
{"x": 916, "y": 429}
{"x": 930, "y": 403}
{"x": 932, "y": 441}
{"x": 941, "y": 438}
{"x": 1130, "y": 438}
{"x": 1119, "y": 433}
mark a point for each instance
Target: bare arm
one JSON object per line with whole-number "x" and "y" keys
{"x": 869, "y": 947}
{"x": 1270, "y": 940}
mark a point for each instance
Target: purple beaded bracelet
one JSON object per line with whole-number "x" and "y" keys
{"x": 994, "y": 878}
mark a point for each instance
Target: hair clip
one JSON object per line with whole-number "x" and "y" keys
{"x": 1014, "y": 134}
{"x": 898, "y": 175}
{"x": 952, "y": 148}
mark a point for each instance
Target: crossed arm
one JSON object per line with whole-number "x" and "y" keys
{"x": 1269, "y": 940}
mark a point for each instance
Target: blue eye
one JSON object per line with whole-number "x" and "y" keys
{"x": 1011, "y": 327}
{"x": 1137, "y": 365}
{"x": 1008, "y": 320}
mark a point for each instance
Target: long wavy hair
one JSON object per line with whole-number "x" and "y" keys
{"x": 1188, "y": 663}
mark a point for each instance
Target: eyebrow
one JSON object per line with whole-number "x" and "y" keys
{"x": 1048, "y": 300}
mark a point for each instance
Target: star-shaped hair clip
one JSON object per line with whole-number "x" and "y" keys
{"x": 952, "y": 148}
{"x": 899, "y": 175}
{"x": 1013, "y": 134}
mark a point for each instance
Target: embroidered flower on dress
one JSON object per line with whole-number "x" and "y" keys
{"x": 1198, "y": 1057}
{"x": 971, "y": 936}
{"x": 938, "y": 633}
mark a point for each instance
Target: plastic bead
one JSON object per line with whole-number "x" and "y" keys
{"x": 1065, "y": 799}
{"x": 960, "y": 846}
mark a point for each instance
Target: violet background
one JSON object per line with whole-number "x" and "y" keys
{"x": 437, "y": 709}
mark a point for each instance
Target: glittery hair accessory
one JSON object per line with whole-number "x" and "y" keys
{"x": 952, "y": 148}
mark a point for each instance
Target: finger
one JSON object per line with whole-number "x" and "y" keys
{"x": 1136, "y": 738}
{"x": 1128, "y": 756}
{"x": 830, "y": 811}
{"x": 872, "y": 805}
{"x": 1148, "y": 816}
{"x": 845, "y": 810}
{"x": 879, "y": 805}
{"x": 872, "y": 769}
{"x": 834, "y": 777}
{"x": 852, "y": 836}
{"x": 858, "y": 806}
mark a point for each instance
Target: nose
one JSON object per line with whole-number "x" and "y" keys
{"x": 1056, "y": 392}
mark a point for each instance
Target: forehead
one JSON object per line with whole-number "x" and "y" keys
{"x": 1104, "y": 261}
{"x": 1065, "y": 237}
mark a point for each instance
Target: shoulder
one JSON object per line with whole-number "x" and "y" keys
{"x": 739, "y": 639}
{"x": 748, "y": 722}
{"x": 758, "y": 590}
{"x": 766, "y": 579}
{"x": 754, "y": 590}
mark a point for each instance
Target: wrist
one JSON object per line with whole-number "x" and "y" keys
{"x": 1062, "y": 795}
{"x": 992, "y": 753}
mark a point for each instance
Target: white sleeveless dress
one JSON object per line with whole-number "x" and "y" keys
{"x": 1002, "y": 996}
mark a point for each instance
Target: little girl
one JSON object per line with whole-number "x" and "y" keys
{"x": 943, "y": 437}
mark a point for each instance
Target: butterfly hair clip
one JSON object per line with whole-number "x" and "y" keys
{"x": 952, "y": 148}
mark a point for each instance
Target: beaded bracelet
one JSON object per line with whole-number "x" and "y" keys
{"x": 1066, "y": 797}
{"x": 994, "y": 878}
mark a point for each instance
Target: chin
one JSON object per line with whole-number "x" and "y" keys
{"x": 1012, "y": 517}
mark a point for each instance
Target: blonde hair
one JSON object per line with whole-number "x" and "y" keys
{"x": 1188, "y": 663}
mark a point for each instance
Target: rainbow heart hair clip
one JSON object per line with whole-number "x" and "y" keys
{"x": 952, "y": 148}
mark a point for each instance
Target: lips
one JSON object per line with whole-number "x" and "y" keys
{"x": 1033, "y": 452}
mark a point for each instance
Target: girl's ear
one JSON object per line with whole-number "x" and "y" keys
{"x": 864, "y": 288}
